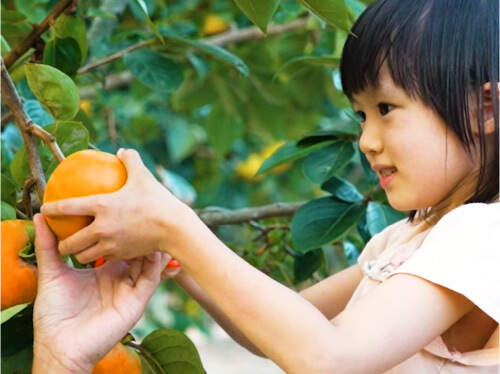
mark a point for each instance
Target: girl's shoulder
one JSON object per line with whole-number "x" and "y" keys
{"x": 469, "y": 222}
{"x": 462, "y": 252}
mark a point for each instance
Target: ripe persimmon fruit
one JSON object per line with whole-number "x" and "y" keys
{"x": 83, "y": 173}
{"x": 120, "y": 360}
{"x": 19, "y": 281}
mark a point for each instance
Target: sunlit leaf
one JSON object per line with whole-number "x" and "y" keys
{"x": 342, "y": 190}
{"x": 332, "y": 11}
{"x": 173, "y": 351}
{"x": 8, "y": 211}
{"x": 288, "y": 152}
{"x": 54, "y": 89}
{"x": 260, "y": 12}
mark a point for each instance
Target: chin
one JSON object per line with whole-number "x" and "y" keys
{"x": 403, "y": 205}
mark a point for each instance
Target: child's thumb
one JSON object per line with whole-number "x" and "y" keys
{"x": 47, "y": 255}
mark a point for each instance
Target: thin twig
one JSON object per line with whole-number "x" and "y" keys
{"x": 6, "y": 118}
{"x": 37, "y": 31}
{"x": 218, "y": 216}
{"x": 113, "y": 133}
{"x": 48, "y": 139}
{"x": 13, "y": 102}
{"x": 28, "y": 187}
{"x": 114, "y": 56}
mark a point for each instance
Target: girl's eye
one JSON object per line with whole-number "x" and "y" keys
{"x": 361, "y": 116}
{"x": 385, "y": 108}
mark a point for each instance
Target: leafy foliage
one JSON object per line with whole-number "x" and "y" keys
{"x": 196, "y": 88}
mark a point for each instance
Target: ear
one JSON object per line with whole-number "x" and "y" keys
{"x": 488, "y": 106}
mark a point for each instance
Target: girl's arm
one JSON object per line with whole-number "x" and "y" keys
{"x": 385, "y": 327}
{"x": 330, "y": 296}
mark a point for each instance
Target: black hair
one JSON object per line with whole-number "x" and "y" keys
{"x": 439, "y": 51}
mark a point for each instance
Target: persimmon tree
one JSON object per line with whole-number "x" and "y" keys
{"x": 235, "y": 106}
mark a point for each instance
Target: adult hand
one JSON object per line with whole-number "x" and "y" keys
{"x": 137, "y": 220}
{"x": 80, "y": 314}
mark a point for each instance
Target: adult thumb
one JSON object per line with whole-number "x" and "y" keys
{"x": 131, "y": 160}
{"x": 48, "y": 259}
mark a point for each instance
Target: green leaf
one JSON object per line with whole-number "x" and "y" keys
{"x": 18, "y": 363}
{"x": 155, "y": 70}
{"x": 379, "y": 216}
{"x": 8, "y": 211}
{"x": 325, "y": 162}
{"x": 322, "y": 221}
{"x": 12, "y": 311}
{"x": 223, "y": 129}
{"x": 291, "y": 65}
{"x": 260, "y": 12}
{"x": 37, "y": 113}
{"x": 214, "y": 51}
{"x": 306, "y": 264}
{"x": 71, "y": 137}
{"x": 144, "y": 10}
{"x": 54, "y": 89}
{"x": 371, "y": 176}
{"x": 351, "y": 251}
{"x": 73, "y": 27}
{"x": 182, "y": 138}
{"x": 9, "y": 190}
{"x": 342, "y": 190}
{"x": 333, "y": 12}
{"x": 17, "y": 332}
{"x": 173, "y": 351}
{"x": 290, "y": 151}
{"x": 5, "y": 47}
{"x": 63, "y": 54}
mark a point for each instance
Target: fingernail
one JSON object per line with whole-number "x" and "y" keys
{"x": 120, "y": 151}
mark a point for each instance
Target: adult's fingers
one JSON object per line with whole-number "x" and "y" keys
{"x": 149, "y": 279}
{"x": 48, "y": 258}
{"x": 132, "y": 161}
{"x": 92, "y": 253}
{"x": 79, "y": 241}
{"x": 77, "y": 206}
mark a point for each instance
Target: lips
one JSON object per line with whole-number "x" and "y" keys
{"x": 385, "y": 173}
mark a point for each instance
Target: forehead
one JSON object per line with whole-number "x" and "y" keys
{"x": 383, "y": 86}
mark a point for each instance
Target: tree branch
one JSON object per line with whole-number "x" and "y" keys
{"x": 125, "y": 78}
{"x": 13, "y": 102}
{"x": 48, "y": 139}
{"x": 219, "y": 216}
{"x": 37, "y": 31}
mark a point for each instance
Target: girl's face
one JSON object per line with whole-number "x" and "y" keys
{"x": 419, "y": 161}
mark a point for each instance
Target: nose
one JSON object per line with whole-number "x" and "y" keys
{"x": 370, "y": 141}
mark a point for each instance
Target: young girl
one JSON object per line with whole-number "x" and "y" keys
{"x": 425, "y": 294}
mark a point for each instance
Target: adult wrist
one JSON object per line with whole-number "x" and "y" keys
{"x": 46, "y": 361}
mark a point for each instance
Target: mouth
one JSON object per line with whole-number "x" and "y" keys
{"x": 385, "y": 172}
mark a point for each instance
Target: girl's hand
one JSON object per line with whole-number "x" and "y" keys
{"x": 137, "y": 220}
{"x": 80, "y": 314}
